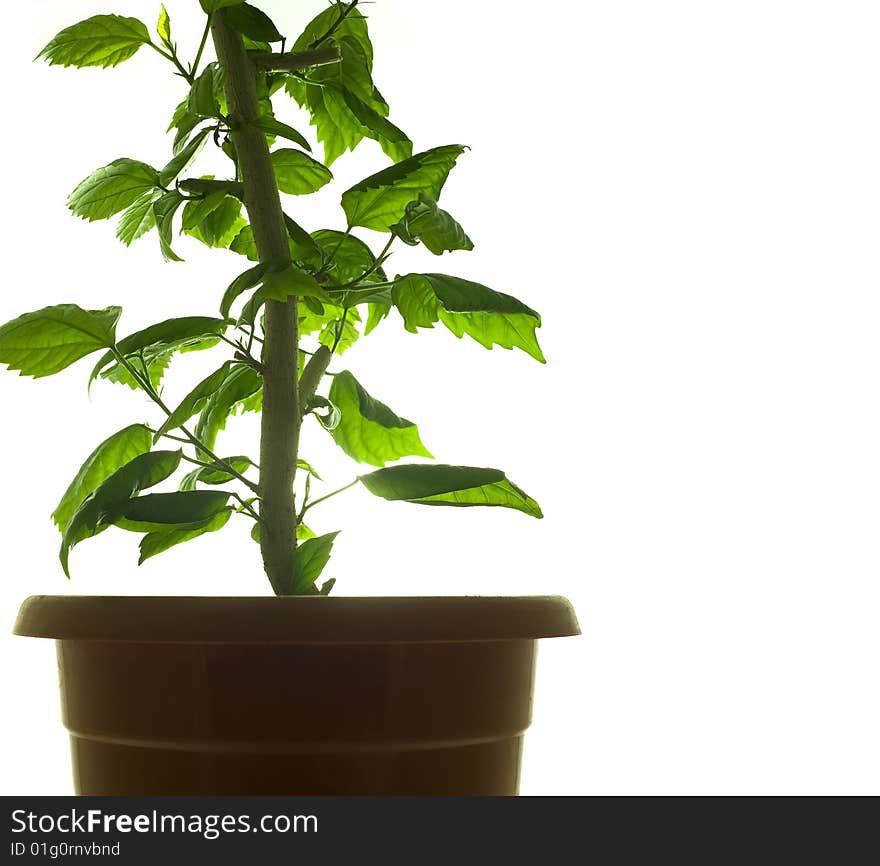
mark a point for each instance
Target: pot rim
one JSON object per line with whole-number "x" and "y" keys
{"x": 295, "y": 620}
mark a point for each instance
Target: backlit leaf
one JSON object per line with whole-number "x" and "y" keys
{"x": 158, "y": 542}
{"x": 424, "y": 222}
{"x": 112, "y": 189}
{"x": 462, "y": 486}
{"x": 379, "y": 201}
{"x": 309, "y": 561}
{"x": 491, "y": 318}
{"x": 195, "y": 401}
{"x": 49, "y": 340}
{"x": 369, "y": 431}
{"x": 102, "y": 40}
{"x": 98, "y": 510}
{"x": 110, "y": 455}
{"x": 297, "y": 173}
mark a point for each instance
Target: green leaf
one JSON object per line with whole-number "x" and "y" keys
{"x": 330, "y": 336}
{"x": 49, "y": 340}
{"x": 351, "y": 257}
{"x": 241, "y": 391}
{"x": 449, "y": 485}
{"x": 165, "y": 338}
{"x": 303, "y": 249}
{"x": 375, "y": 313}
{"x": 163, "y": 28}
{"x": 103, "y": 40}
{"x": 209, "y": 6}
{"x": 138, "y": 219}
{"x": 216, "y": 473}
{"x": 98, "y": 510}
{"x": 308, "y": 468}
{"x": 297, "y": 173}
{"x": 214, "y": 220}
{"x": 110, "y": 455}
{"x": 342, "y": 123}
{"x": 281, "y": 285}
{"x": 164, "y": 209}
{"x": 251, "y": 22}
{"x": 195, "y": 401}
{"x": 204, "y": 95}
{"x": 162, "y": 511}
{"x": 248, "y": 279}
{"x": 184, "y": 121}
{"x": 309, "y": 560}
{"x": 379, "y": 201}
{"x": 369, "y": 431}
{"x": 270, "y": 126}
{"x": 112, "y": 188}
{"x": 491, "y": 318}
{"x": 181, "y": 161}
{"x": 331, "y": 419}
{"x": 158, "y": 542}
{"x": 394, "y": 141}
{"x": 424, "y": 222}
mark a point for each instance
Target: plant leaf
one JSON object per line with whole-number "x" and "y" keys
{"x": 195, "y": 401}
{"x": 112, "y": 188}
{"x": 297, "y": 173}
{"x": 158, "y": 542}
{"x": 242, "y": 390}
{"x": 209, "y": 6}
{"x": 424, "y": 222}
{"x": 351, "y": 257}
{"x": 369, "y": 431}
{"x": 252, "y": 22}
{"x": 102, "y": 40}
{"x": 246, "y": 280}
{"x": 281, "y": 285}
{"x": 309, "y": 561}
{"x": 394, "y": 141}
{"x": 97, "y": 511}
{"x": 113, "y": 452}
{"x": 49, "y": 340}
{"x": 491, "y": 318}
{"x": 164, "y": 339}
{"x": 204, "y": 95}
{"x": 331, "y": 419}
{"x": 216, "y": 473}
{"x": 164, "y": 209}
{"x": 332, "y": 115}
{"x": 379, "y": 201}
{"x": 270, "y": 126}
{"x": 163, "y": 511}
{"x": 181, "y": 161}
{"x": 163, "y": 27}
{"x": 138, "y": 219}
{"x": 462, "y": 486}
{"x": 214, "y": 220}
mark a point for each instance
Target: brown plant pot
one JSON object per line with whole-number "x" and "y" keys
{"x": 306, "y": 695}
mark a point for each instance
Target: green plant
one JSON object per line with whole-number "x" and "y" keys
{"x": 325, "y": 288}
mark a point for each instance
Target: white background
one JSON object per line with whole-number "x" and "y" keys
{"x": 688, "y": 192}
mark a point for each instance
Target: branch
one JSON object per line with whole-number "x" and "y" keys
{"x": 293, "y": 61}
{"x": 312, "y": 374}
{"x": 198, "y": 186}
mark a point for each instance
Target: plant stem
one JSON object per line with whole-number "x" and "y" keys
{"x": 273, "y": 62}
{"x": 328, "y": 496}
{"x": 195, "y": 63}
{"x": 280, "y": 424}
{"x": 173, "y": 58}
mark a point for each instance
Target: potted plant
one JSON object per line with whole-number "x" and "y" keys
{"x": 303, "y": 692}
